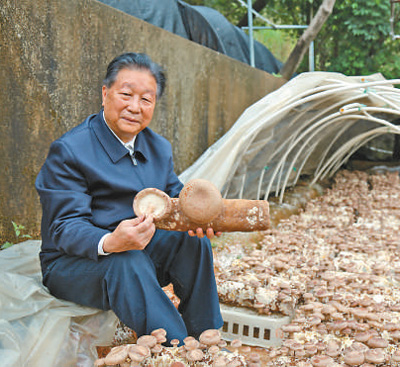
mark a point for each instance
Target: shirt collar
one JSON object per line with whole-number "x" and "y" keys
{"x": 130, "y": 145}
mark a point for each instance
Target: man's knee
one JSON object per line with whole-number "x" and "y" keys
{"x": 129, "y": 265}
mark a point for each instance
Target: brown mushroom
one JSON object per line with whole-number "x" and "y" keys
{"x": 176, "y": 364}
{"x": 147, "y": 340}
{"x": 210, "y": 337}
{"x": 375, "y": 356}
{"x": 253, "y": 357}
{"x": 200, "y": 201}
{"x": 310, "y": 350}
{"x": 290, "y": 329}
{"x": 395, "y": 357}
{"x": 364, "y": 336}
{"x": 361, "y": 347}
{"x": 377, "y": 342}
{"x": 160, "y": 335}
{"x": 354, "y": 357}
{"x": 321, "y": 361}
{"x": 100, "y": 362}
{"x": 219, "y": 362}
{"x": 194, "y": 355}
{"x": 222, "y": 343}
{"x": 117, "y": 355}
{"x": 174, "y": 342}
{"x": 332, "y": 349}
{"x": 137, "y": 353}
{"x": 246, "y": 349}
{"x": 188, "y": 338}
{"x": 157, "y": 349}
{"x": 213, "y": 350}
{"x": 236, "y": 344}
{"x": 191, "y": 344}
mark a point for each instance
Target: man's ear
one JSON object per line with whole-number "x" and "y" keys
{"x": 103, "y": 94}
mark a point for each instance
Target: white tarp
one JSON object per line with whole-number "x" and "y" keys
{"x": 38, "y": 330}
{"x": 310, "y": 125}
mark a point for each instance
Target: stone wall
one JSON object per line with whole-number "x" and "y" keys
{"x": 53, "y": 56}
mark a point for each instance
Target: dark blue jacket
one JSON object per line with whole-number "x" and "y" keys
{"x": 88, "y": 182}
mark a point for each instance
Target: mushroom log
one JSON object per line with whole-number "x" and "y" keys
{"x": 200, "y": 205}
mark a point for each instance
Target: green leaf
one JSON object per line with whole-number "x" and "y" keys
{"x": 6, "y": 245}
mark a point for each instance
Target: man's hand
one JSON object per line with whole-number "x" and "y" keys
{"x": 131, "y": 234}
{"x": 199, "y": 233}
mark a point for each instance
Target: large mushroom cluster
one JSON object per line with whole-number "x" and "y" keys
{"x": 208, "y": 350}
{"x": 335, "y": 269}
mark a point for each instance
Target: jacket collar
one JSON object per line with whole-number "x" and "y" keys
{"x": 112, "y": 145}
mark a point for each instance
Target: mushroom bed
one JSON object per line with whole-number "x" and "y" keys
{"x": 334, "y": 269}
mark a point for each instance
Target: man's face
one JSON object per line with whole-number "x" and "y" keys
{"x": 129, "y": 103}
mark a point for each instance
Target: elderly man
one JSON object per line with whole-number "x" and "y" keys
{"x": 95, "y": 251}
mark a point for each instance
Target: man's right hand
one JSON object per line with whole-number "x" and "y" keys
{"x": 131, "y": 234}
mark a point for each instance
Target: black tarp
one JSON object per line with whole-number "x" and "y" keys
{"x": 199, "y": 24}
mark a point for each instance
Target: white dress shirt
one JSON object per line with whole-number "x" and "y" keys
{"x": 130, "y": 145}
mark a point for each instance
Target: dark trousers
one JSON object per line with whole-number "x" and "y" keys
{"x": 130, "y": 283}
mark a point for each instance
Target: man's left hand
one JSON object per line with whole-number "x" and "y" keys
{"x": 200, "y": 233}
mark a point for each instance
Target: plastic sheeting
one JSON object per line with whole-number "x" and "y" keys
{"x": 311, "y": 126}
{"x": 38, "y": 330}
{"x": 202, "y": 25}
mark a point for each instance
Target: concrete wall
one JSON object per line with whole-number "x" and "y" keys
{"x": 53, "y": 56}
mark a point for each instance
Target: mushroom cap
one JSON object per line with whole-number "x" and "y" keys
{"x": 138, "y": 353}
{"x": 117, "y": 355}
{"x": 200, "y": 201}
{"x": 290, "y": 328}
{"x": 395, "y": 356}
{"x": 157, "y": 349}
{"x": 194, "y": 355}
{"x": 321, "y": 361}
{"x": 361, "y": 347}
{"x": 219, "y": 362}
{"x": 160, "y": 334}
{"x": 377, "y": 342}
{"x": 222, "y": 343}
{"x": 174, "y": 342}
{"x": 354, "y": 357}
{"x": 152, "y": 201}
{"x": 210, "y": 337}
{"x": 99, "y": 362}
{"x": 246, "y": 349}
{"x": 311, "y": 350}
{"x": 147, "y": 340}
{"x": 395, "y": 335}
{"x": 362, "y": 336}
{"x": 375, "y": 356}
{"x": 188, "y": 338}
{"x": 192, "y": 344}
{"x": 235, "y": 363}
{"x": 214, "y": 349}
{"x": 176, "y": 364}
{"x": 253, "y": 357}
{"x": 236, "y": 343}
{"x": 253, "y": 364}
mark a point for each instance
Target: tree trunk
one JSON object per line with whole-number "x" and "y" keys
{"x": 257, "y": 6}
{"x": 306, "y": 38}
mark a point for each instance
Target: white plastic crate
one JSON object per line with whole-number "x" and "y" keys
{"x": 250, "y": 327}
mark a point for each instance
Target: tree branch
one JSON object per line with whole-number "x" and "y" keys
{"x": 257, "y": 6}
{"x": 296, "y": 56}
